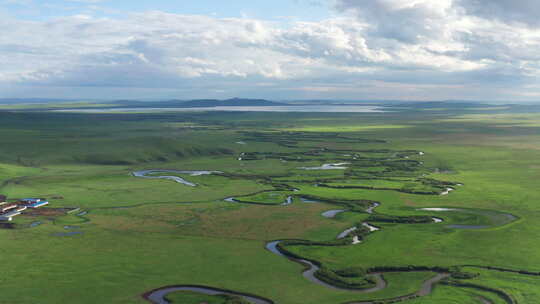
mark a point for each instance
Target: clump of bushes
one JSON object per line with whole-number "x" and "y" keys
{"x": 409, "y": 268}
{"x": 351, "y": 272}
{"x": 234, "y": 300}
{"x": 437, "y": 183}
{"x": 223, "y": 298}
{"x": 464, "y": 275}
{"x": 415, "y": 219}
{"x": 459, "y": 274}
{"x": 334, "y": 278}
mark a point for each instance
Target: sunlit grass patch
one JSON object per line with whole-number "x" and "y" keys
{"x": 499, "y": 120}
{"x": 346, "y": 128}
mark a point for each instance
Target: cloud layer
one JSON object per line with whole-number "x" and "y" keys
{"x": 383, "y": 49}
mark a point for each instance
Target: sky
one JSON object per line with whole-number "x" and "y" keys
{"x": 486, "y": 50}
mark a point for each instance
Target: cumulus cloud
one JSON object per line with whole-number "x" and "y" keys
{"x": 404, "y": 20}
{"x": 509, "y": 11}
{"x": 491, "y": 40}
{"x": 420, "y": 49}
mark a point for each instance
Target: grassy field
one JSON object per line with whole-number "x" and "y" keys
{"x": 132, "y": 235}
{"x": 187, "y": 297}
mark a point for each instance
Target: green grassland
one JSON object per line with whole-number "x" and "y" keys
{"x": 444, "y": 294}
{"x": 187, "y": 297}
{"x": 267, "y": 198}
{"x": 134, "y": 234}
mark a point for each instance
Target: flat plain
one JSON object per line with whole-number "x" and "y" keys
{"x": 278, "y": 174}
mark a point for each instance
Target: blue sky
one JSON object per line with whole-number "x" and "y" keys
{"x": 282, "y": 49}
{"x": 260, "y": 9}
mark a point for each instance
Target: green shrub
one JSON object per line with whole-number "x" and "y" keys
{"x": 351, "y": 272}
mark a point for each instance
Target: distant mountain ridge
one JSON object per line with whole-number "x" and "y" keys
{"x": 35, "y": 100}
{"x": 202, "y": 103}
{"x": 458, "y": 104}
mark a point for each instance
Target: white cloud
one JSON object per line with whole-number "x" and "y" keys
{"x": 377, "y": 48}
{"x": 508, "y": 11}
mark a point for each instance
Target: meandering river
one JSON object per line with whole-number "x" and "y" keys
{"x": 311, "y": 268}
{"x": 495, "y": 217}
{"x": 158, "y": 296}
{"x": 145, "y": 174}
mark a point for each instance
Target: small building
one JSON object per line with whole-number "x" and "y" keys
{"x": 37, "y": 204}
{"x": 9, "y": 210}
{"x": 31, "y": 200}
{"x": 9, "y": 216}
{"x": 34, "y": 202}
{"x": 7, "y": 207}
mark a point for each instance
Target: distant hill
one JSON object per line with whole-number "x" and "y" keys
{"x": 33, "y": 100}
{"x": 450, "y": 104}
{"x": 234, "y": 102}
{"x": 199, "y": 103}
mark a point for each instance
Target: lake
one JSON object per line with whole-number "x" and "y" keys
{"x": 296, "y": 108}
